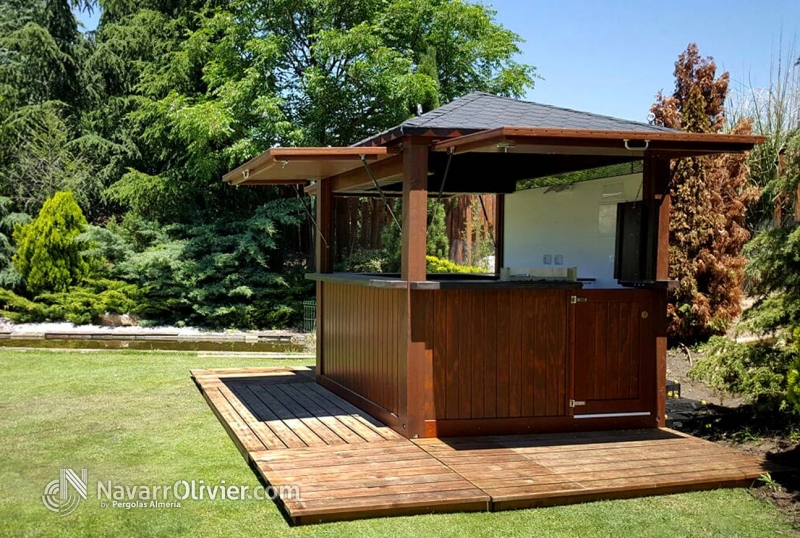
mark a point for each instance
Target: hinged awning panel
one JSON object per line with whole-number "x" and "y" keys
{"x": 544, "y": 140}
{"x": 283, "y": 166}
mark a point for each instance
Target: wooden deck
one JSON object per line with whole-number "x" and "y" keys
{"x": 347, "y": 465}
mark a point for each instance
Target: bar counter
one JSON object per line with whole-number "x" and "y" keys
{"x": 441, "y": 282}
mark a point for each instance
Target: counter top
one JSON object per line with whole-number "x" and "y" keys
{"x": 447, "y": 282}
{"x": 495, "y": 284}
{"x": 358, "y": 279}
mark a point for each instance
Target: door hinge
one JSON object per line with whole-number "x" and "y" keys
{"x": 575, "y": 299}
{"x": 576, "y": 403}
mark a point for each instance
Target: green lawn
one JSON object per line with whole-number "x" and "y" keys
{"x": 137, "y": 418}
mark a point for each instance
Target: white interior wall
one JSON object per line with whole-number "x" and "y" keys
{"x": 576, "y": 227}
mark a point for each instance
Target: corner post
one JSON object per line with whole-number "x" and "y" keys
{"x": 323, "y": 261}
{"x": 656, "y": 176}
{"x": 415, "y": 228}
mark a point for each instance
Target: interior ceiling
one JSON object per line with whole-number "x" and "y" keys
{"x": 496, "y": 173}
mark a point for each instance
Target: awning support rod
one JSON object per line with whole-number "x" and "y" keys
{"x": 446, "y": 170}
{"x": 488, "y": 223}
{"x": 380, "y": 191}
{"x": 308, "y": 212}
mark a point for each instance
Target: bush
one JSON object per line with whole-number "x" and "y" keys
{"x": 366, "y": 261}
{"x": 48, "y": 254}
{"x": 793, "y": 378}
{"x": 774, "y": 275}
{"x": 759, "y": 373}
{"x": 438, "y": 265}
{"x": 82, "y": 304}
{"x": 773, "y": 270}
{"x": 226, "y": 272}
{"x": 377, "y": 261}
{"x": 436, "y": 242}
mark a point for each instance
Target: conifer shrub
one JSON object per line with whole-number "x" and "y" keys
{"x": 62, "y": 280}
{"x": 709, "y": 196}
{"x": 48, "y": 252}
{"x": 83, "y": 304}
{"x": 793, "y": 377}
{"x": 759, "y": 373}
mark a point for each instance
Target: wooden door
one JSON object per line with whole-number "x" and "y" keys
{"x": 613, "y": 351}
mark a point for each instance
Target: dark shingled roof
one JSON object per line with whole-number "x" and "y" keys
{"x": 478, "y": 111}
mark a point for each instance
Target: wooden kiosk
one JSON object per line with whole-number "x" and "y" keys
{"x": 445, "y": 355}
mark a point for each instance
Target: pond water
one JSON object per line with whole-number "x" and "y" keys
{"x": 152, "y": 345}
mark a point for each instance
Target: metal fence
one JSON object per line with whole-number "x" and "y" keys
{"x": 309, "y": 316}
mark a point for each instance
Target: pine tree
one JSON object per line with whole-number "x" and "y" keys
{"x": 437, "y": 243}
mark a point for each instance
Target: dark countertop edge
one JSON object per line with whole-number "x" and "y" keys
{"x": 495, "y": 285}
{"x": 373, "y": 281}
{"x": 652, "y": 285}
{"x": 354, "y": 279}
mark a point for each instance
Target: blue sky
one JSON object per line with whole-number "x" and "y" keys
{"x": 612, "y": 56}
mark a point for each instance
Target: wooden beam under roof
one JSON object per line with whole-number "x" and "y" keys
{"x": 543, "y": 140}
{"x": 357, "y": 180}
{"x": 390, "y": 169}
{"x": 469, "y": 173}
{"x": 280, "y": 166}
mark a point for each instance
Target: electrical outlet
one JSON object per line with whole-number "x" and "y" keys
{"x": 558, "y": 259}
{"x": 547, "y": 259}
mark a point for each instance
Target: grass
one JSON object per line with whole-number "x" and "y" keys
{"x": 136, "y": 418}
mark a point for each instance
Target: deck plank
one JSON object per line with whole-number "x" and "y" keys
{"x": 273, "y": 422}
{"x": 384, "y": 431}
{"x": 347, "y": 465}
{"x": 309, "y": 437}
{"x": 301, "y": 413}
{"x": 244, "y": 438}
{"x": 259, "y": 429}
{"x": 324, "y": 415}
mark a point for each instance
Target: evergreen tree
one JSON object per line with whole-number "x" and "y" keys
{"x": 437, "y": 243}
{"x": 142, "y": 117}
{"x": 709, "y": 202}
{"x": 48, "y": 252}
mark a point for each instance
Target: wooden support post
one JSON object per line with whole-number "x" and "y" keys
{"x": 323, "y": 257}
{"x": 415, "y": 228}
{"x": 499, "y": 232}
{"x": 656, "y": 176}
{"x": 415, "y": 211}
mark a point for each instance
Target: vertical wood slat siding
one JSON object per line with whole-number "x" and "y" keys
{"x": 497, "y": 353}
{"x": 361, "y": 340}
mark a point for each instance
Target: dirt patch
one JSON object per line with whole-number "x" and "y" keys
{"x": 726, "y": 420}
{"x": 781, "y": 488}
{"x": 679, "y": 362}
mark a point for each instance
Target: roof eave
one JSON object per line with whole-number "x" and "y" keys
{"x": 550, "y": 140}
{"x": 307, "y": 163}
